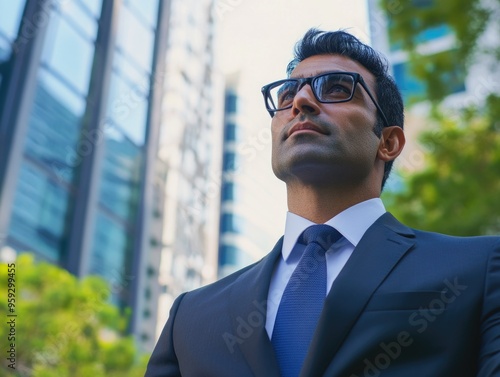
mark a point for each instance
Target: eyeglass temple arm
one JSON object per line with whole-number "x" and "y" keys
{"x": 384, "y": 118}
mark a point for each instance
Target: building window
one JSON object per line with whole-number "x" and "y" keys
{"x": 112, "y": 245}
{"x": 228, "y": 255}
{"x": 63, "y": 36}
{"x": 228, "y": 191}
{"x": 58, "y": 149}
{"x": 229, "y": 161}
{"x": 10, "y": 20}
{"x": 120, "y": 175}
{"x": 231, "y": 223}
{"x": 39, "y": 213}
{"x": 231, "y": 102}
{"x": 230, "y": 132}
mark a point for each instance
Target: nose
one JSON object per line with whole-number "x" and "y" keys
{"x": 304, "y": 101}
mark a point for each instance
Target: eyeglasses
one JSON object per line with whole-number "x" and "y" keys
{"x": 332, "y": 87}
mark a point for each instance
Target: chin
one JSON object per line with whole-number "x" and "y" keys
{"x": 322, "y": 175}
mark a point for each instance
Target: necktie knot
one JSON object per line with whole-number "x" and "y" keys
{"x": 324, "y": 235}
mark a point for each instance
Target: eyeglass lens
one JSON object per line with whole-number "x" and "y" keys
{"x": 332, "y": 87}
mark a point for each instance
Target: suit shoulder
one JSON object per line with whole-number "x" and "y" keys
{"x": 222, "y": 288}
{"x": 487, "y": 243}
{"x": 389, "y": 221}
{"x": 447, "y": 237}
{"x": 219, "y": 287}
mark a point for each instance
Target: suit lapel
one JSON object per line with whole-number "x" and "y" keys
{"x": 248, "y": 308}
{"x": 379, "y": 250}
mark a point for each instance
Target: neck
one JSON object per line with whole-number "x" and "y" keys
{"x": 320, "y": 204}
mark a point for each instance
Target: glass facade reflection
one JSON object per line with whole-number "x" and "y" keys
{"x": 10, "y": 20}
{"x": 111, "y": 236}
{"x": 38, "y": 218}
{"x": 80, "y": 83}
{"x": 65, "y": 34}
{"x": 54, "y": 128}
{"x": 120, "y": 175}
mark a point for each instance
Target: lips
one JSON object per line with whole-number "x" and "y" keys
{"x": 306, "y": 127}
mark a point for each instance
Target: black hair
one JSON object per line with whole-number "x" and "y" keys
{"x": 318, "y": 42}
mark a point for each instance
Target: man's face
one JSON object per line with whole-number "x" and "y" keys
{"x": 320, "y": 143}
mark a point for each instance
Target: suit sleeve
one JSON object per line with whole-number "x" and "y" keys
{"x": 163, "y": 361}
{"x": 489, "y": 360}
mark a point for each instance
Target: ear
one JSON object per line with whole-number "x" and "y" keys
{"x": 391, "y": 144}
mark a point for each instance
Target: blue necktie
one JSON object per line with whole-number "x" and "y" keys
{"x": 302, "y": 300}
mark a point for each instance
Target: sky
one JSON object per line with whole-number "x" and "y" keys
{"x": 258, "y": 36}
{"x": 256, "y": 40}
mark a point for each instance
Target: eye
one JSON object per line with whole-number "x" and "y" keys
{"x": 337, "y": 88}
{"x": 334, "y": 87}
{"x": 285, "y": 93}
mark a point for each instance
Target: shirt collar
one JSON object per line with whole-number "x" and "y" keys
{"x": 352, "y": 223}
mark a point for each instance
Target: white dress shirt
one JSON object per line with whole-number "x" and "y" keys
{"x": 352, "y": 223}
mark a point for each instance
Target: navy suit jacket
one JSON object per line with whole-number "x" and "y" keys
{"x": 407, "y": 303}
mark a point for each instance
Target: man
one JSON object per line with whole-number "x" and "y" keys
{"x": 399, "y": 302}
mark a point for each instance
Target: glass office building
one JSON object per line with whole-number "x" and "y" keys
{"x": 232, "y": 251}
{"x": 190, "y": 147}
{"x": 252, "y": 209}
{"x": 80, "y": 93}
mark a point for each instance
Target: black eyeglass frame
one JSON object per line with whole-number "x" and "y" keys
{"x": 310, "y": 80}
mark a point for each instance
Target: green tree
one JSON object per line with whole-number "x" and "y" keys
{"x": 472, "y": 22}
{"x": 65, "y": 327}
{"x": 458, "y": 190}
